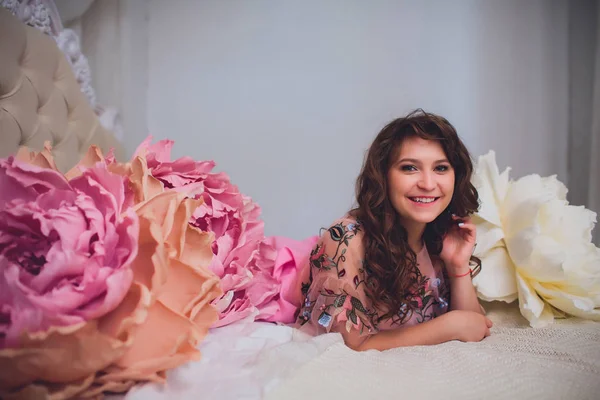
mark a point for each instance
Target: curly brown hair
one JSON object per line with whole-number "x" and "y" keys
{"x": 389, "y": 260}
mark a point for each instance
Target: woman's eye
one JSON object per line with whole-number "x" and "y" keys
{"x": 408, "y": 168}
{"x": 442, "y": 168}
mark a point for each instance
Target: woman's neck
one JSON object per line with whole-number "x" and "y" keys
{"x": 415, "y": 233}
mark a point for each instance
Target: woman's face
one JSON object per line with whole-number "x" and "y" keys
{"x": 420, "y": 181}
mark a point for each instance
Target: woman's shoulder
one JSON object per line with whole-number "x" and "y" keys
{"x": 341, "y": 242}
{"x": 344, "y": 228}
{"x": 345, "y": 220}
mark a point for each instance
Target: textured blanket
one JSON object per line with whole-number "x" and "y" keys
{"x": 516, "y": 362}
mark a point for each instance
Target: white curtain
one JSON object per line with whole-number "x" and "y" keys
{"x": 594, "y": 194}
{"x": 584, "y": 106}
{"x": 114, "y": 39}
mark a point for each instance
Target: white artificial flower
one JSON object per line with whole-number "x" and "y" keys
{"x": 534, "y": 246}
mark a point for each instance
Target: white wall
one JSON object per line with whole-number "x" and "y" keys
{"x": 286, "y": 95}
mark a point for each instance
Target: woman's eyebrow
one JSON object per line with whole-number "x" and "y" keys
{"x": 415, "y": 161}
{"x": 412, "y": 160}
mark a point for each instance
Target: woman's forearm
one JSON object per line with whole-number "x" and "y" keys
{"x": 432, "y": 332}
{"x": 463, "y": 295}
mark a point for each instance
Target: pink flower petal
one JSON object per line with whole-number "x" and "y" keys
{"x": 65, "y": 247}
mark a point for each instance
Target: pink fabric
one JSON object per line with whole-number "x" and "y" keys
{"x": 292, "y": 257}
{"x": 335, "y": 299}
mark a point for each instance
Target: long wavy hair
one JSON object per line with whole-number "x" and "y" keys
{"x": 391, "y": 264}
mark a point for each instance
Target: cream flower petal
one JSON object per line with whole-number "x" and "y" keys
{"x": 526, "y": 228}
{"x": 566, "y": 223}
{"x": 491, "y": 186}
{"x": 524, "y": 198}
{"x": 583, "y": 268}
{"x": 561, "y": 252}
{"x": 489, "y": 236}
{"x": 532, "y": 307}
{"x": 579, "y": 306}
{"x": 496, "y": 281}
{"x": 546, "y": 261}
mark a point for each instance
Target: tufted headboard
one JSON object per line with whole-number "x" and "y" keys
{"x": 41, "y": 100}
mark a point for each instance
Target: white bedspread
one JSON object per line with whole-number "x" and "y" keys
{"x": 240, "y": 361}
{"x": 516, "y": 362}
{"x": 264, "y": 361}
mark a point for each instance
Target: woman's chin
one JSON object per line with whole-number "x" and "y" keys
{"x": 419, "y": 219}
{"x": 421, "y": 213}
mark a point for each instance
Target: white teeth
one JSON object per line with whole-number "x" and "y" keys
{"x": 424, "y": 199}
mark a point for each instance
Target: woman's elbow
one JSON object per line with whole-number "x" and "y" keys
{"x": 357, "y": 345}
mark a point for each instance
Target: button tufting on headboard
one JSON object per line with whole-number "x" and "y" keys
{"x": 40, "y": 99}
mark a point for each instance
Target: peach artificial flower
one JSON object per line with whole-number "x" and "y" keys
{"x": 172, "y": 264}
{"x": 164, "y": 315}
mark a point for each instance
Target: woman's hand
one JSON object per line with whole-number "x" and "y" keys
{"x": 458, "y": 246}
{"x": 467, "y": 326}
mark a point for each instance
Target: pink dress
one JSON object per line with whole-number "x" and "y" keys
{"x": 333, "y": 288}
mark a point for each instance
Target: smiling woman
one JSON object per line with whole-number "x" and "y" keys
{"x": 421, "y": 184}
{"x": 395, "y": 270}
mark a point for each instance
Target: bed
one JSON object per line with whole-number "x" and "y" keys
{"x": 41, "y": 101}
{"x": 40, "y": 97}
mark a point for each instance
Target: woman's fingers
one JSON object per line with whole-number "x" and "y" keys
{"x": 468, "y": 228}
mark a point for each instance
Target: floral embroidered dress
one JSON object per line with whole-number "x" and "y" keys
{"x": 333, "y": 288}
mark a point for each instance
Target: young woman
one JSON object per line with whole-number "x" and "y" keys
{"x": 396, "y": 270}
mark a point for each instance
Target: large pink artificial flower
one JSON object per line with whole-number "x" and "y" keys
{"x": 165, "y": 309}
{"x": 66, "y": 255}
{"x": 65, "y": 247}
{"x": 251, "y": 267}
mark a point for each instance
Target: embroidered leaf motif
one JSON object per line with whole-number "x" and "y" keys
{"x": 352, "y": 317}
{"x": 328, "y": 264}
{"x": 356, "y": 281}
{"x": 329, "y": 291}
{"x": 339, "y": 301}
{"x": 341, "y": 273}
{"x": 356, "y": 303}
{"x": 336, "y": 232}
{"x": 427, "y": 299}
{"x": 348, "y": 325}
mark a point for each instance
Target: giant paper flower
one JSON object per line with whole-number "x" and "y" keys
{"x": 253, "y": 269}
{"x": 66, "y": 250}
{"x": 172, "y": 266}
{"x": 164, "y": 309}
{"x": 534, "y": 246}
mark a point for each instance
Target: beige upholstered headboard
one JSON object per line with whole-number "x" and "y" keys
{"x": 41, "y": 100}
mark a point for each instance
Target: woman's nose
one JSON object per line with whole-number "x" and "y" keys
{"x": 426, "y": 181}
